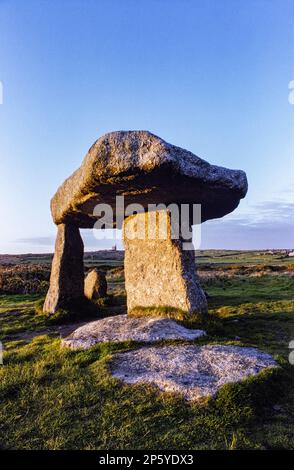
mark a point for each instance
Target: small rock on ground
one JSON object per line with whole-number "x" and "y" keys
{"x": 193, "y": 371}
{"x": 95, "y": 285}
{"x": 124, "y": 328}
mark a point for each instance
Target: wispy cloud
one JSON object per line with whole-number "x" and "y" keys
{"x": 38, "y": 241}
{"x": 269, "y": 224}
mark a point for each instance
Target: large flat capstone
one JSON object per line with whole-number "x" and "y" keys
{"x": 124, "y": 328}
{"x": 193, "y": 371}
{"x": 145, "y": 170}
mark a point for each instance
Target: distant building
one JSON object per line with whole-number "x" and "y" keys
{"x": 291, "y": 254}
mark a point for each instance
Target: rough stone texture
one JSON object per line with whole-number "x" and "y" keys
{"x": 124, "y": 328}
{"x": 67, "y": 273}
{"x": 145, "y": 169}
{"x": 158, "y": 272}
{"x": 95, "y": 285}
{"x": 193, "y": 371}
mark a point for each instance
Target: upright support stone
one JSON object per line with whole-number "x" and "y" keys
{"x": 158, "y": 271}
{"x": 67, "y": 274}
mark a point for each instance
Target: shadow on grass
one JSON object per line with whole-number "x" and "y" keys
{"x": 76, "y": 310}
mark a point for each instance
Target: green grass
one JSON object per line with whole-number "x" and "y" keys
{"x": 240, "y": 290}
{"x": 54, "y": 398}
{"x": 17, "y": 315}
{"x": 244, "y": 258}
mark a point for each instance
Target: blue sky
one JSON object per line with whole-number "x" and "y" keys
{"x": 211, "y": 76}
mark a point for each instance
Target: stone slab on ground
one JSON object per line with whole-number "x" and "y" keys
{"x": 124, "y": 328}
{"x": 193, "y": 371}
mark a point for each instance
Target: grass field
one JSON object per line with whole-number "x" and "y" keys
{"x": 53, "y": 398}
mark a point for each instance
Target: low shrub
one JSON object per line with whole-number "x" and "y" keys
{"x": 24, "y": 279}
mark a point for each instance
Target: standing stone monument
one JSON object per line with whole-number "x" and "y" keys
{"x": 145, "y": 170}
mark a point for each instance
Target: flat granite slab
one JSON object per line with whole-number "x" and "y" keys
{"x": 144, "y": 169}
{"x": 125, "y": 328}
{"x": 193, "y": 371}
